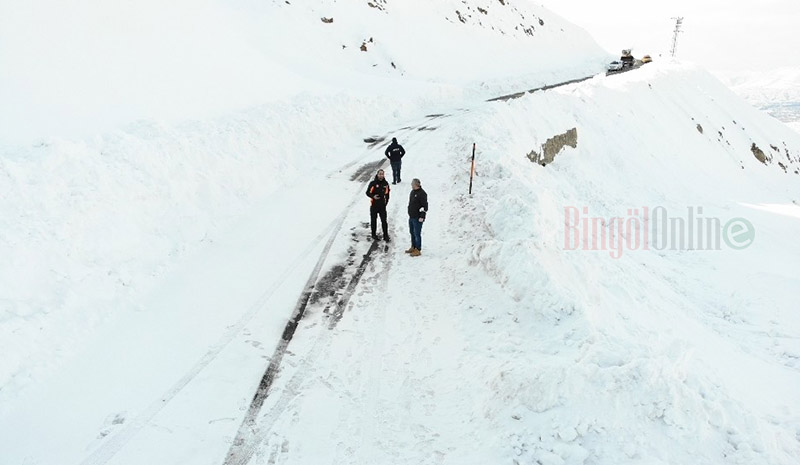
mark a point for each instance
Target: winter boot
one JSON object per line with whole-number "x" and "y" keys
{"x": 387, "y": 238}
{"x": 410, "y": 249}
{"x": 415, "y": 253}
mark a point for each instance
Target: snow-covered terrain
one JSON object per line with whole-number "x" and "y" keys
{"x": 117, "y": 63}
{"x": 150, "y": 270}
{"x": 100, "y": 218}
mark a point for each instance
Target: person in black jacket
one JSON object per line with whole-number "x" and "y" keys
{"x": 378, "y": 193}
{"x": 417, "y": 209}
{"x": 394, "y": 152}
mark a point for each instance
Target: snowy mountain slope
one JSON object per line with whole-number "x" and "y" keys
{"x": 450, "y": 40}
{"x": 150, "y": 271}
{"x": 120, "y": 63}
{"x": 100, "y": 219}
{"x": 502, "y": 345}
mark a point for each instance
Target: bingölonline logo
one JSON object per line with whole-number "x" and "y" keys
{"x": 645, "y": 229}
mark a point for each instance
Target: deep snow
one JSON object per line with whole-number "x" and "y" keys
{"x": 150, "y": 270}
{"x": 560, "y": 356}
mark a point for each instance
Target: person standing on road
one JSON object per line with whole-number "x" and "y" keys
{"x": 394, "y": 152}
{"x": 378, "y": 193}
{"x": 417, "y": 209}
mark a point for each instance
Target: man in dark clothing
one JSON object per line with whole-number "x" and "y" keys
{"x": 378, "y": 193}
{"x": 417, "y": 208}
{"x": 394, "y": 152}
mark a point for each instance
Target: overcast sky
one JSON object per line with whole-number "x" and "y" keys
{"x": 722, "y": 34}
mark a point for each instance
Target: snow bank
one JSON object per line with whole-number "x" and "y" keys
{"x": 632, "y": 355}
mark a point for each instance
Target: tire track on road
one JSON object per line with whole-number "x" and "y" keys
{"x": 244, "y": 444}
{"x": 105, "y": 452}
{"x": 530, "y": 91}
{"x": 247, "y": 437}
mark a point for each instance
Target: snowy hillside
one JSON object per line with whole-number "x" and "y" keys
{"x": 119, "y": 63}
{"x": 100, "y": 218}
{"x": 159, "y": 231}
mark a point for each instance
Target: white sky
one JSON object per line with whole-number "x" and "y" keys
{"x": 722, "y": 34}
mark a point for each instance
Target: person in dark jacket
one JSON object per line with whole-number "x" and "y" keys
{"x": 417, "y": 209}
{"x": 378, "y": 193}
{"x": 394, "y": 152}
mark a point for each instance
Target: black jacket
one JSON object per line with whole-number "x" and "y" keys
{"x": 378, "y": 192}
{"x": 417, "y": 203}
{"x": 395, "y": 151}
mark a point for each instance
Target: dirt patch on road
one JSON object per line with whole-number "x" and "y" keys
{"x": 366, "y": 172}
{"x": 374, "y": 140}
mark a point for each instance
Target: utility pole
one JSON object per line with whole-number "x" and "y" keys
{"x": 678, "y": 24}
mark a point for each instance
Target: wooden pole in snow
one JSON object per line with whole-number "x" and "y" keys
{"x": 472, "y": 170}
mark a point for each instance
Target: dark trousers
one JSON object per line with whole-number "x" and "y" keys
{"x": 396, "y": 165}
{"x": 415, "y": 228}
{"x": 374, "y": 211}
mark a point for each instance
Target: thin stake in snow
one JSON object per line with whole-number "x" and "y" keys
{"x": 472, "y": 169}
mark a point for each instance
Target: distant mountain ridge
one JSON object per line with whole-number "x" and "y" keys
{"x": 775, "y": 91}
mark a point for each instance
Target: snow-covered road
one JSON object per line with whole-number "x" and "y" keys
{"x": 353, "y": 384}
{"x": 171, "y": 381}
